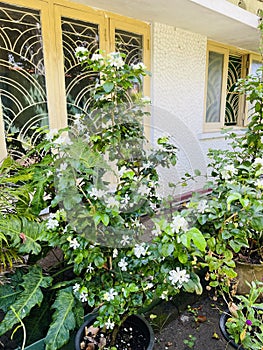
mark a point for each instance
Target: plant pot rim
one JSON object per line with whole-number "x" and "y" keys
{"x": 222, "y": 323}
{"x": 247, "y": 263}
{"x": 92, "y": 316}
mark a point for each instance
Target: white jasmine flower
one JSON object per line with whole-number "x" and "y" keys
{"x": 140, "y": 250}
{"x": 164, "y": 295}
{"x": 157, "y": 231}
{"x": 125, "y": 200}
{"x": 63, "y": 140}
{"x": 259, "y": 183}
{"x": 116, "y": 60}
{"x": 125, "y": 240}
{"x": 179, "y": 223}
{"x": 49, "y": 173}
{"x": 149, "y": 285}
{"x": 178, "y": 276}
{"x": 83, "y": 297}
{"x": 109, "y": 324}
{"x": 73, "y": 243}
{"x": 112, "y": 202}
{"x": 78, "y": 123}
{"x": 87, "y": 138}
{"x": 110, "y": 295}
{"x": 50, "y": 135}
{"x": 115, "y": 253}
{"x": 52, "y": 223}
{"x": 139, "y": 65}
{"x": 89, "y": 268}
{"x": 123, "y": 264}
{"x": 81, "y": 49}
{"x": 96, "y": 57}
{"x": 76, "y": 287}
{"x": 63, "y": 167}
{"x": 202, "y": 206}
{"x": 96, "y": 193}
{"x": 79, "y": 181}
{"x": 258, "y": 161}
{"x": 144, "y": 190}
{"x": 81, "y": 53}
{"x": 228, "y": 171}
{"x": 146, "y": 99}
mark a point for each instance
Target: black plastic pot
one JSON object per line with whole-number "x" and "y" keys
{"x": 222, "y": 325}
{"x": 136, "y": 321}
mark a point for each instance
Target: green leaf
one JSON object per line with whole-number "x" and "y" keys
{"x": 7, "y": 296}
{"x": 33, "y": 231}
{"x": 233, "y": 197}
{"x": 28, "y": 298}
{"x": 196, "y": 236}
{"x": 64, "y": 319}
{"x": 167, "y": 249}
{"x": 105, "y": 219}
{"x": 108, "y": 87}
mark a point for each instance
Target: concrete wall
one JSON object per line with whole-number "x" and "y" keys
{"x": 178, "y": 87}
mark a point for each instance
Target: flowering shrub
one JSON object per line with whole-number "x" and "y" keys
{"x": 99, "y": 181}
{"x": 231, "y": 217}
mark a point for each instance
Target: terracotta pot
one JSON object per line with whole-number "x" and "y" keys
{"x": 247, "y": 272}
{"x": 136, "y": 321}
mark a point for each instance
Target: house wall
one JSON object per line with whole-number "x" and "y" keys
{"x": 178, "y": 87}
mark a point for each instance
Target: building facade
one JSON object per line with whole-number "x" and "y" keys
{"x": 196, "y": 50}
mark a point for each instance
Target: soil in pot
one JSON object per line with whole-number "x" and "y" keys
{"x": 134, "y": 334}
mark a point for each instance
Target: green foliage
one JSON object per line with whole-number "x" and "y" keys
{"x": 27, "y": 299}
{"x": 68, "y": 314}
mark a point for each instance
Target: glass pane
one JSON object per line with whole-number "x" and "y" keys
{"x": 214, "y": 87}
{"x": 255, "y": 65}
{"x": 79, "y": 82}
{"x": 22, "y": 76}
{"x": 232, "y": 97}
{"x": 130, "y": 44}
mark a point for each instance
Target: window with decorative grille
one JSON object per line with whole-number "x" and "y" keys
{"x": 225, "y": 106}
{"x": 41, "y": 81}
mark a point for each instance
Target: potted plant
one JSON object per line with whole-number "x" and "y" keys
{"x": 242, "y": 324}
{"x": 98, "y": 185}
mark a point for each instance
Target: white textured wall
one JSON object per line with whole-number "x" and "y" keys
{"x": 178, "y": 86}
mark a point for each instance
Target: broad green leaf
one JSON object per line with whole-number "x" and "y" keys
{"x": 7, "y": 296}
{"x": 196, "y": 237}
{"x": 108, "y": 87}
{"x": 28, "y": 298}
{"x": 32, "y": 230}
{"x": 105, "y": 219}
{"x": 64, "y": 319}
{"x": 233, "y": 197}
{"x": 167, "y": 249}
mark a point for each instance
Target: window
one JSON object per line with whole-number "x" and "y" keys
{"x": 224, "y": 105}
{"x": 41, "y": 82}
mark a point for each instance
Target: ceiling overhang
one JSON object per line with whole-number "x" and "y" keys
{"x": 220, "y": 21}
